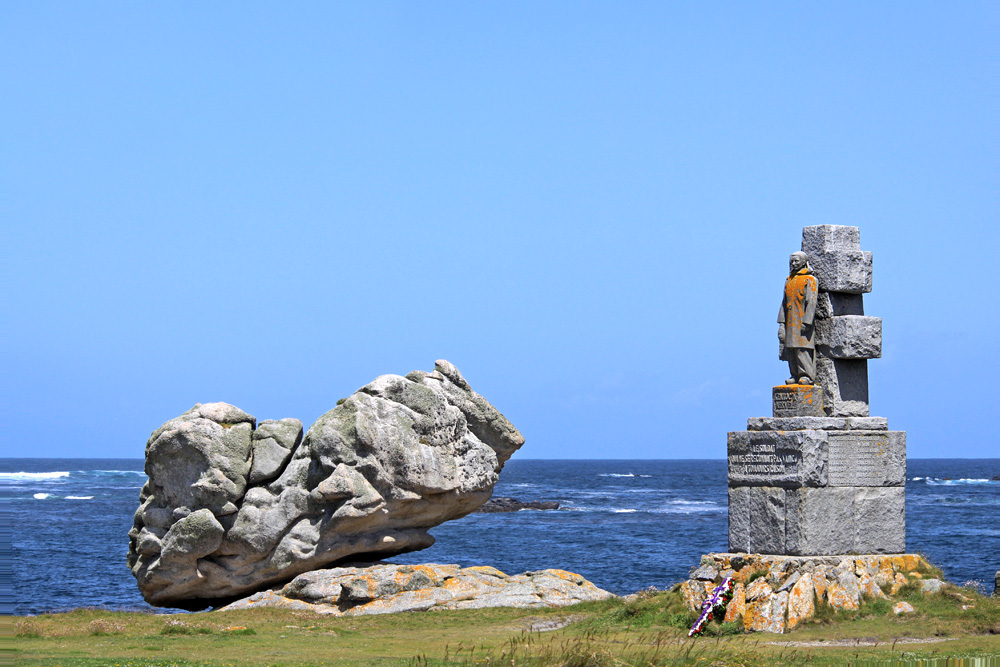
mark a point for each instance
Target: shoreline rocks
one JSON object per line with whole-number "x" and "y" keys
{"x": 386, "y": 588}
{"x": 506, "y": 504}
{"x": 233, "y": 507}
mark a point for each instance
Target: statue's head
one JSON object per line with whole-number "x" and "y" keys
{"x": 796, "y": 262}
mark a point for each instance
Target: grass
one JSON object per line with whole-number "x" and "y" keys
{"x": 649, "y": 630}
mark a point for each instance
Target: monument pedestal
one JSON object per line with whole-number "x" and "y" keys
{"x": 810, "y": 486}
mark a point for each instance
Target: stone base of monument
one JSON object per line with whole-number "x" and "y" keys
{"x": 814, "y": 486}
{"x": 777, "y": 593}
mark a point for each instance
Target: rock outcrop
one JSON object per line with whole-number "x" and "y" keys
{"x": 233, "y": 507}
{"x": 505, "y": 504}
{"x": 385, "y": 588}
{"x": 776, "y": 593}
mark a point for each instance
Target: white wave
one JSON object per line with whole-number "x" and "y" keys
{"x": 79, "y": 497}
{"x": 33, "y": 475}
{"x": 624, "y": 511}
{"x": 645, "y": 475}
{"x": 615, "y": 474}
{"x": 41, "y": 496}
{"x": 688, "y": 507}
{"x": 935, "y": 481}
{"x": 116, "y": 472}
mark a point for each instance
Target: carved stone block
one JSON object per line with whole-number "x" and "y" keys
{"x": 880, "y": 519}
{"x": 849, "y": 337}
{"x": 797, "y": 423}
{"x": 767, "y": 520}
{"x": 830, "y": 238}
{"x": 836, "y": 258}
{"x": 739, "y": 518}
{"x": 845, "y": 386}
{"x": 818, "y": 423}
{"x": 867, "y": 424}
{"x": 849, "y": 272}
{"x": 820, "y": 521}
{"x": 777, "y": 458}
{"x": 867, "y": 458}
{"x": 798, "y": 400}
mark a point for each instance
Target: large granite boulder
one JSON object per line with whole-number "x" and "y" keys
{"x": 232, "y": 506}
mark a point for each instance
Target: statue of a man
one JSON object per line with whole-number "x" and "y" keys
{"x": 795, "y": 320}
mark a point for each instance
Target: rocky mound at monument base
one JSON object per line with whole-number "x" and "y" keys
{"x": 776, "y": 593}
{"x": 386, "y": 588}
{"x": 233, "y": 507}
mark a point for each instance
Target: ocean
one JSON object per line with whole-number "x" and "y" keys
{"x": 625, "y": 525}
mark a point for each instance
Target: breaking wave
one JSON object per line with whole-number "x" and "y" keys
{"x": 33, "y": 475}
{"x": 940, "y": 481}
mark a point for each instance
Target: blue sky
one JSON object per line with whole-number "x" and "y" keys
{"x": 587, "y": 207}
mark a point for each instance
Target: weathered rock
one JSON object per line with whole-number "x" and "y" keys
{"x": 902, "y": 608}
{"x": 273, "y": 443}
{"x": 767, "y": 615}
{"x": 996, "y": 584}
{"x": 384, "y": 588}
{"x": 504, "y": 504}
{"x": 232, "y": 507}
{"x": 840, "y": 582}
{"x": 759, "y": 589}
{"x": 801, "y": 602}
{"x": 737, "y": 606}
{"x": 694, "y": 592}
{"x": 928, "y": 586}
{"x": 870, "y": 589}
{"x": 705, "y": 573}
{"x": 789, "y": 582}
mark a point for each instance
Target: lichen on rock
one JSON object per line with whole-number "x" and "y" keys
{"x": 384, "y": 588}
{"x": 775, "y": 593}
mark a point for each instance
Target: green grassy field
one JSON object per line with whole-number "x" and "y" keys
{"x": 651, "y": 630}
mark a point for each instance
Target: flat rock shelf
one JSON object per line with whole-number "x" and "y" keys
{"x": 385, "y": 588}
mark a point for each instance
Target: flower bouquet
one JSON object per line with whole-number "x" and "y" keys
{"x": 714, "y": 606}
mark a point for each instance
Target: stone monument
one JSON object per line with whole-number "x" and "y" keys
{"x": 816, "y": 491}
{"x": 821, "y": 477}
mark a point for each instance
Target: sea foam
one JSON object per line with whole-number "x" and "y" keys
{"x": 33, "y": 475}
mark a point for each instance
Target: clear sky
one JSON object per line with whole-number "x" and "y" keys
{"x": 586, "y": 207}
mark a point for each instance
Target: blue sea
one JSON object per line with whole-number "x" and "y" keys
{"x": 625, "y": 525}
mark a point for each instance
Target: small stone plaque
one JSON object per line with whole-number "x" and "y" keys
{"x": 866, "y": 458}
{"x": 798, "y": 400}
